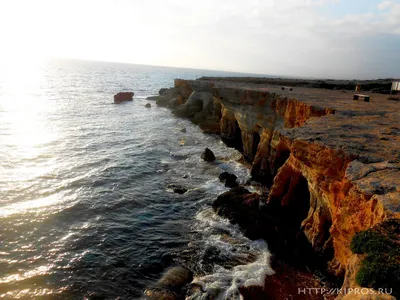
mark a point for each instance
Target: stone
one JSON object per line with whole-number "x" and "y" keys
{"x": 178, "y": 189}
{"x": 229, "y": 179}
{"x": 241, "y": 207}
{"x": 208, "y": 155}
{"x": 123, "y": 96}
{"x": 148, "y": 105}
{"x": 183, "y": 130}
{"x": 162, "y": 91}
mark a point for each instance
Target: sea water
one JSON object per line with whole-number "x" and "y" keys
{"x": 85, "y": 211}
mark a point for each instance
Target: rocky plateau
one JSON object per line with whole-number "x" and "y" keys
{"x": 332, "y": 164}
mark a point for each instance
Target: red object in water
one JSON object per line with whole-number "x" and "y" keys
{"x": 123, "y": 96}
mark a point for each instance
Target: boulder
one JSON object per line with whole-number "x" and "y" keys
{"x": 208, "y": 155}
{"x": 229, "y": 179}
{"x": 162, "y": 91}
{"x": 177, "y": 188}
{"x": 123, "y": 96}
{"x": 148, "y": 105}
{"x": 241, "y": 207}
{"x": 180, "y": 190}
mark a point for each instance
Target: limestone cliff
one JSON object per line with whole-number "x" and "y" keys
{"x": 332, "y": 164}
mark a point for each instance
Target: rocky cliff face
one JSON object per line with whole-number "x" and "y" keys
{"x": 332, "y": 164}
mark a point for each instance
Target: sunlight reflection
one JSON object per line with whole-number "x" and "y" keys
{"x": 18, "y": 294}
{"x": 25, "y": 132}
{"x": 31, "y": 205}
{"x": 35, "y": 272}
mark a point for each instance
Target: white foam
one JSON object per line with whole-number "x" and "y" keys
{"x": 214, "y": 186}
{"x": 224, "y": 283}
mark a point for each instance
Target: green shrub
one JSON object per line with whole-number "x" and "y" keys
{"x": 381, "y": 266}
{"x": 379, "y": 272}
{"x": 369, "y": 242}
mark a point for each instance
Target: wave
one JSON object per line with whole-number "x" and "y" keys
{"x": 225, "y": 259}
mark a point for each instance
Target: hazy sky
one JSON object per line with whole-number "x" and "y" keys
{"x": 317, "y": 38}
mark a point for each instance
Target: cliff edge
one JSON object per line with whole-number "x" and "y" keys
{"x": 332, "y": 164}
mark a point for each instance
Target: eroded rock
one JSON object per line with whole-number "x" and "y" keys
{"x": 229, "y": 179}
{"x": 331, "y": 163}
{"x": 123, "y": 96}
{"x": 177, "y": 188}
{"x": 208, "y": 155}
{"x": 243, "y": 208}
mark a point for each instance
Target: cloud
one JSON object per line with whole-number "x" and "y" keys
{"x": 384, "y": 4}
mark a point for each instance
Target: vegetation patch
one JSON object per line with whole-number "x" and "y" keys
{"x": 380, "y": 269}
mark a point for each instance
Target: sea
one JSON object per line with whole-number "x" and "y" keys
{"x": 86, "y": 211}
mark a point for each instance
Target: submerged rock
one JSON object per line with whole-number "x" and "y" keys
{"x": 123, "y": 96}
{"x": 148, "y": 105}
{"x": 170, "y": 285}
{"x": 180, "y": 190}
{"x": 208, "y": 155}
{"x": 183, "y": 130}
{"x": 229, "y": 179}
{"x": 177, "y": 188}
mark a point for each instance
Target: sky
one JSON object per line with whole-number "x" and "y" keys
{"x": 307, "y": 38}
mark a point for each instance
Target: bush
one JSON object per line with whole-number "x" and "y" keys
{"x": 380, "y": 272}
{"x": 381, "y": 266}
{"x": 369, "y": 242}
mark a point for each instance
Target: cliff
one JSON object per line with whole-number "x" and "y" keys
{"x": 332, "y": 164}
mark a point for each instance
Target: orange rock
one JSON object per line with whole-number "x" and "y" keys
{"x": 334, "y": 160}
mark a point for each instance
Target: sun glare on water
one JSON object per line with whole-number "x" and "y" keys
{"x": 25, "y": 131}
{"x": 24, "y": 106}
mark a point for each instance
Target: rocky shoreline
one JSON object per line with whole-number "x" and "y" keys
{"x": 332, "y": 166}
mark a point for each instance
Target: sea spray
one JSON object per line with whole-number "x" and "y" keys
{"x": 239, "y": 262}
